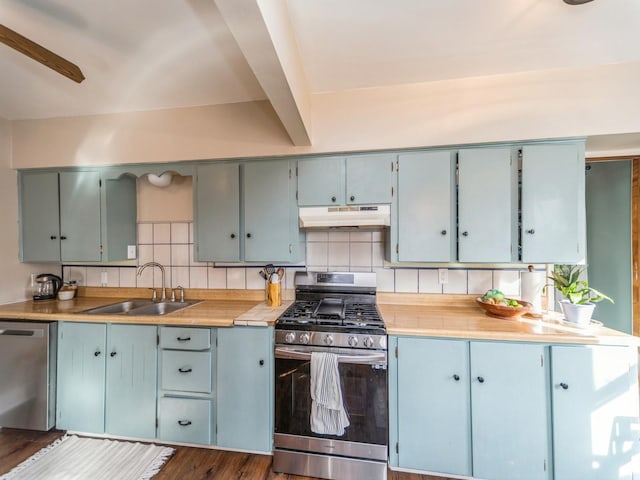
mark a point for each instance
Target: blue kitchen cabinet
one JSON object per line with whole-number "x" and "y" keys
{"x": 595, "y": 412}
{"x": 245, "y": 388}
{"x": 81, "y": 377}
{"x": 106, "y": 381}
{"x": 424, "y": 227}
{"x": 509, "y": 411}
{"x": 487, "y": 205}
{"x": 131, "y": 375}
{"x": 366, "y": 179}
{"x": 246, "y": 212}
{"x": 432, "y": 406}
{"x": 553, "y": 203}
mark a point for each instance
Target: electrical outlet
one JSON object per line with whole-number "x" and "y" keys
{"x": 131, "y": 252}
{"x": 443, "y": 275}
{"x": 103, "y": 278}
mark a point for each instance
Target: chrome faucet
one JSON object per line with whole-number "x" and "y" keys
{"x": 163, "y": 297}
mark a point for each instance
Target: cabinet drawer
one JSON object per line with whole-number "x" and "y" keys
{"x": 179, "y": 338}
{"x": 186, "y": 371}
{"x": 185, "y": 420}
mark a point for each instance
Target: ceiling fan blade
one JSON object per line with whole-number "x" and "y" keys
{"x": 40, "y": 54}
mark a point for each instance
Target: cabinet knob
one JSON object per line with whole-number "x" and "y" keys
{"x": 564, "y": 386}
{"x": 261, "y": 362}
{"x": 465, "y": 234}
{"x": 185, "y": 370}
{"x": 481, "y": 379}
{"x": 53, "y": 237}
{"x": 113, "y": 354}
{"x": 456, "y": 377}
{"x": 184, "y": 423}
{"x": 62, "y": 237}
{"x": 352, "y": 198}
{"x": 443, "y": 232}
{"x": 97, "y": 353}
{"x": 233, "y": 235}
{"x": 531, "y": 231}
{"x": 248, "y": 235}
{"x": 333, "y": 199}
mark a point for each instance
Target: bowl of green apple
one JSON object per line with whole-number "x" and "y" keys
{"x": 497, "y": 305}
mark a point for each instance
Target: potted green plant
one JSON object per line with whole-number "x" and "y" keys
{"x": 579, "y": 298}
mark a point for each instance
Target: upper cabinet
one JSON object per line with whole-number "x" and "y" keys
{"x": 351, "y": 180}
{"x": 487, "y": 205}
{"x": 553, "y": 203}
{"x": 71, "y": 216}
{"x": 246, "y": 212}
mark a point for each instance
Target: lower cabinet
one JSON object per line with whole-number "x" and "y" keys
{"x": 245, "y": 388}
{"x": 186, "y": 391}
{"x": 107, "y": 379}
{"x": 507, "y": 410}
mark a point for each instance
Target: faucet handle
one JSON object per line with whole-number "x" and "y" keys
{"x": 173, "y": 294}
{"x": 181, "y": 288}
{"x": 154, "y": 296}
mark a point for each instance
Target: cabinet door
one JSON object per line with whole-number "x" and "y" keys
{"x": 119, "y": 217}
{"x": 39, "y": 217}
{"x": 595, "y": 412}
{"x": 80, "y": 216}
{"x": 433, "y": 406}
{"x": 81, "y": 377}
{"x": 321, "y": 181}
{"x": 267, "y": 211}
{"x": 245, "y": 388}
{"x": 425, "y": 222}
{"x": 553, "y": 204}
{"x": 369, "y": 178}
{"x": 487, "y": 201}
{"x": 509, "y": 411}
{"x": 131, "y": 381}
{"x": 185, "y": 420}
{"x": 217, "y": 212}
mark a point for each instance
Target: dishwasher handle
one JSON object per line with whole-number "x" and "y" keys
{"x": 25, "y": 332}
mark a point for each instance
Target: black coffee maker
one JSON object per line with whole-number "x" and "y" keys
{"x": 46, "y": 286}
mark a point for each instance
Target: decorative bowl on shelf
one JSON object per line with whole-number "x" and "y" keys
{"x": 504, "y": 311}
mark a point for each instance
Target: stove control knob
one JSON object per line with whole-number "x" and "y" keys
{"x": 290, "y": 337}
{"x": 368, "y": 342}
{"x": 352, "y": 341}
{"x": 328, "y": 339}
{"x": 304, "y": 338}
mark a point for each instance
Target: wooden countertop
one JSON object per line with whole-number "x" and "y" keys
{"x": 224, "y": 311}
{"x": 437, "y": 318}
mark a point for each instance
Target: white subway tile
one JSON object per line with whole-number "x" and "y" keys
{"x": 217, "y": 278}
{"x": 457, "y": 282}
{"x": 179, "y": 233}
{"x": 191, "y": 233}
{"x": 180, "y": 255}
{"x": 480, "y": 281}
{"x": 377, "y": 250}
{"x": 236, "y": 278}
{"x": 428, "y": 281}
{"x": 360, "y": 255}
{"x": 254, "y": 280}
{"x": 317, "y": 236}
{"x": 507, "y": 281}
{"x": 319, "y": 268}
{"x": 161, "y": 233}
{"x": 198, "y": 277}
{"x": 162, "y": 254}
{"x": 385, "y": 279}
{"x": 339, "y": 236}
{"x": 79, "y": 274}
{"x": 339, "y": 253}
{"x": 145, "y": 233}
{"x": 317, "y": 253}
{"x": 94, "y": 276}
{"x": 145, "y": 254}
{"x": 145, "y": 280}
{"x": 179, "y": 276}
{"x": 406, "y": 280}
{"x": 192, "y": 260}
{"x": 128, "y": 277}
{"x": 377, "y": 236}
{"x": 360, "y": 236}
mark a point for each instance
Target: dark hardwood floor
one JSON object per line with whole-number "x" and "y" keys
{"x": 187, "y": 463}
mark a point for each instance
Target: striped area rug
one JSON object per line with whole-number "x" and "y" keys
{"x": 78, "y": 458}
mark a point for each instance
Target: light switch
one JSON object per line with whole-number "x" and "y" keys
{"x": 131, "y": 252}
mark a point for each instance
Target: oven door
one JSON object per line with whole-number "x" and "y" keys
{"x": 363, "y": 376}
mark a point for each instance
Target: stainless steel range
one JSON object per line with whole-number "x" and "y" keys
{"x": 334, "y": 313}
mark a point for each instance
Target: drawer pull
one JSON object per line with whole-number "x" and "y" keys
{"x": 185, "y": 370}
{"x": 183, "y": 339}
{"x": 184, "y": 423}
{"x": 97, "y": 353}
{"x": 481, "y": 379}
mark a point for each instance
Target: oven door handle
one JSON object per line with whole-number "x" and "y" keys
{"x": 366, "y": 359}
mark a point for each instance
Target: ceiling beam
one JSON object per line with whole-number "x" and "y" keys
{"x": 265, "y": 36}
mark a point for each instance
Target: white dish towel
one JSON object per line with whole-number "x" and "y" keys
{"x": 328, "y": 415}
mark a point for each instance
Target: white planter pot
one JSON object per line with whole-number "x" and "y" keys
{"x": 580, "y": 314}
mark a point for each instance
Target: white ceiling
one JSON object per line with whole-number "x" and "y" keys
{"x": 157, "y": 54}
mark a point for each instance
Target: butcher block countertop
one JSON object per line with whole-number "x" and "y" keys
{"x": 218, "y": 308}
{"x": 458, "y": 316}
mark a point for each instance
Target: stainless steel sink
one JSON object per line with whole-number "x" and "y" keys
{"x": 140, "y": 307}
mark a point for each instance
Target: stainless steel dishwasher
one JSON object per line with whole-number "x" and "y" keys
{"x": 28, "y": 374}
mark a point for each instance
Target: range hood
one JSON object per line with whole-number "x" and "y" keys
{"x": 349, "y": 216}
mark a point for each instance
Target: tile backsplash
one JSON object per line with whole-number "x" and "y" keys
{"x": 171, "y": 245}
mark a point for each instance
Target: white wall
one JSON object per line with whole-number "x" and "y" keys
{"x": 14, "y": 276}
